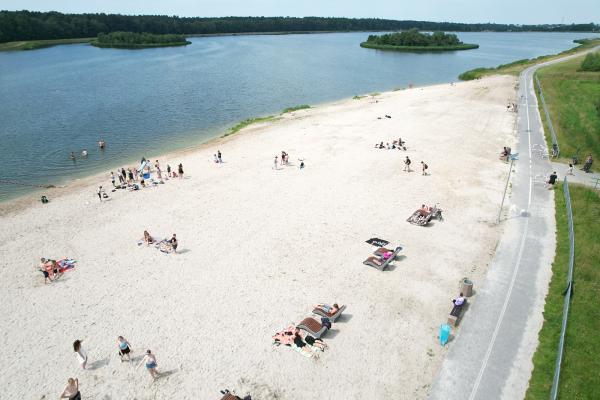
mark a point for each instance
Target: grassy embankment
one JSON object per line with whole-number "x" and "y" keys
{"x": 40, "y": 44}
{"x": 464, "y": 46}
{"x": 580, "y": 373}
{"x": 516, "y": 67}
{"x": 573, "y": 100}
{"x": 250, "y": 121}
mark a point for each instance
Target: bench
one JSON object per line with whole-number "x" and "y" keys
{"x": 456, "y": 313}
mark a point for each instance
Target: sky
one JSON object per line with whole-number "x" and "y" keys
{"x": 498, "y": 11}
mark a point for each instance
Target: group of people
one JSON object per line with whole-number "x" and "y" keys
{"x": 166, "y": 245}
{"x": 218, "y": 157}
{"x": 396, "y": 144}
{"x": 53, "y": 269}
{"x": 72, "y": 392}
{"x": 84, "y": 152}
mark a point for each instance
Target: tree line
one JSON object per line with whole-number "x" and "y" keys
{"x": 413, "y": 37}
{"x": 33, "y": 25}
{"x": 134, "y": 38}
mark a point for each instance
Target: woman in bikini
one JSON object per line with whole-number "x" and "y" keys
{"x": 151, "y": 364}
{"x": 81, "y": 353}
{"x": 124, "y": 348}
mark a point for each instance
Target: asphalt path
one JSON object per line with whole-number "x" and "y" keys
{"x": 490, "y": 353}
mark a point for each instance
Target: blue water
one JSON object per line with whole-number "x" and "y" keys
{"x": 146, "y": 102}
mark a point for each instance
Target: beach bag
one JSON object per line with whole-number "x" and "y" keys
{"x": 326, "y": 322}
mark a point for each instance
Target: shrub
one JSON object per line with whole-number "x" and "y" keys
{"x": 591, "y": 62}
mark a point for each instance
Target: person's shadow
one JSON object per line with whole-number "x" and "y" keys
{"x": 98, "y": 364}
{"x": 166, "y": 374}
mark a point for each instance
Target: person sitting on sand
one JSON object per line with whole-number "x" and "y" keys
{"x": 71, "y": 391}
{"x": 299, "y": 341}
{"x": 150, "y": 360}
{"x": 124, "y": 348}
{"x": 147, "y": 238}
{"x": 327, "y": 309}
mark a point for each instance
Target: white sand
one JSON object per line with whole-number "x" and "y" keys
{"x": 258, "y": 248}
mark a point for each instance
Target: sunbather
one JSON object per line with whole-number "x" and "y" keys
{"x": 424, "y": 211}
{"x": 459, "y": 301}
{"x": 147, "y": 238}
{"x": 328, "y": 309}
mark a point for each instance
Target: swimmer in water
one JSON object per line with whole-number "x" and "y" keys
{"x": 101, "y": 144}
{"x": 84, "y": 153}
{"x": 72, "y": 156}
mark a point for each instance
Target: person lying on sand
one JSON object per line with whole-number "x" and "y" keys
{"x": 327, "y": 309}
{"x": 147, "y": 238}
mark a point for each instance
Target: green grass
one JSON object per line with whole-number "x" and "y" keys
{"x": 357, "y": 97}
{"x": 241, "y": 125}
{"x": 573, "y": 98}
{"x": 580, "y": 373}
{"x": 296, "y": 108}
{"x": 516, "y": 67}
{"x": 591, "y": 62}
{"x": 464, "y": 46}
{"x": 39, "y": 44}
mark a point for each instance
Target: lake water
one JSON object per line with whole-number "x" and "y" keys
{"x": 146, "y": 102}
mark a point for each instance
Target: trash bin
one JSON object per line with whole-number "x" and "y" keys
{"x": 466, "y": 287}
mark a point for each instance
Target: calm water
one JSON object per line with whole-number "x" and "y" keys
{"x": 146, "y": 102}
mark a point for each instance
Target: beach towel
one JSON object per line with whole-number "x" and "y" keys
{"x": 444, "y": 334}
{"x": 378, "y": 242}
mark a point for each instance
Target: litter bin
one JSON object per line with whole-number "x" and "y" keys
{"x": 466, "y": 287}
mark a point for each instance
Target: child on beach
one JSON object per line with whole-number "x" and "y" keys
{"x": 81, "y": 353}
{"x": 151, "y": 364}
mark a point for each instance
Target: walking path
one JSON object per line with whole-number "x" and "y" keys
{"x": 578, "y": 175}
{"x": 490, "y": 357}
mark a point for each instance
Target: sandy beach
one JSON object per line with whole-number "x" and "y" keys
{"x": 258, "y": 247}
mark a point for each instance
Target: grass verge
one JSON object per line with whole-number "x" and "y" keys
{"x": 580, "y": 373}
{"x": 296, "y": 108}
{"x": 573, "y": 100}
{"x": 40, "y": 44}
{"x": 516, "y": 67}
{"x": 242, "y": 124}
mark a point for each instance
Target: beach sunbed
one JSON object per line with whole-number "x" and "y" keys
{"x": 332, "y": 317}
{"x": 313, "y": 327}
{"x": 227, "y": 395}
{"x": 456, "y": 313}
{"x": 417, "y": 218}
{"x": 378, "y": 263}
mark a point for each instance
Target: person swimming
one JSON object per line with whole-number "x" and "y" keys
{"x": 84, "y": 153}
{"x": 101, "y": 144}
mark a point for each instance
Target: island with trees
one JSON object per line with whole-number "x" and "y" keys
{"x": 413, "y": 40}
{"x": 133, "y": 40}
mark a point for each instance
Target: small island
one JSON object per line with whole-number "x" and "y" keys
{"x": 132, "y": 40}
{"x": 413, "y": 40}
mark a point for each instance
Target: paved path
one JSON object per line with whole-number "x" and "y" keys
{"x": 578, "y": 175}
{"x": 490, "y": 357}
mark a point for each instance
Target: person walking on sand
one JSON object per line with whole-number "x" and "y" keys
{"x": 168, "y": 170}
{"x": 71, "y": 391}
{"x": 570, "y": 169}
{"x": 124, "y": 348}
{"x": 112, "y": 178}
{"x": 407, "y": 164}
{"x": 151, "y": 364}
{"x": 275, "y": 162}
{"x": 100, "y": 192}
{"x": 180, "y": 170}
{"x": 81, "y": 353}
{"x": 219, "y": 156}
{"x": 424, "y": 168}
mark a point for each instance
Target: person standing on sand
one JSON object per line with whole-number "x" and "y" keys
{"x": 112, "y": 178}
{"x": 424, "y": 168}
{"x": 570, "y": 169}
{"x": 135, "y": 174}
{"x": 71, "y": 391}
{"x": 130, "y": 175}
{"x": 180, "y": 170}
{"x": 407, "y": 164}
{"x": 120, "y": 176}
{"x": 124, "y": 175}
{"x": 219, "y": 156}
{"x": 174, "y": 243}
{"x": 151, "y": 364}
{"x": 275, "y": 162}
{"x": 81, "y": 353}
{"x": 100, "y": 191}
{"x": 169, "y": 170}
{"x": 124, "y": 348}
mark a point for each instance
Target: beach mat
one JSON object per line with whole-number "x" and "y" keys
{"x": 378, "y": 242}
